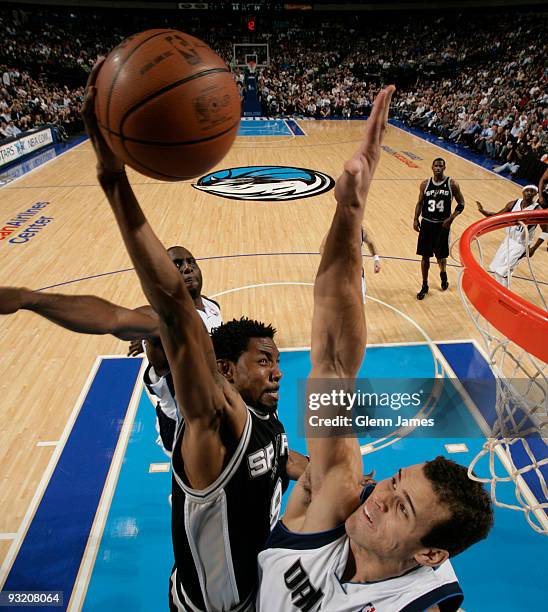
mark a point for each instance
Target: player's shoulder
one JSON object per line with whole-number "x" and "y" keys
{"x": 284, "y": 538}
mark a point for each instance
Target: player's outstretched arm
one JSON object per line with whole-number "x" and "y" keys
{"x": 542, "y": 238}
{"x": 85, "y": 314}
{"x": 338, "y": 328}
{"x": 489, "y": 213}
{"x": 372, "y": 250}
{"x": 202, "y": 393}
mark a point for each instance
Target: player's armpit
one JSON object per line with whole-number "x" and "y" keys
{"x": 219, "y": 414}
{"x": 333, "y": 499}
{"x": 298, "y": 502}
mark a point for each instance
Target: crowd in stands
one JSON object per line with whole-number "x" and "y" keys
{"x": 475, "y": 79}
{"x": 26, "y": 104}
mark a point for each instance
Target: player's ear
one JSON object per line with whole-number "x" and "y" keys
{"x": 431, "y": 556}
{"x": 226, "y": 368}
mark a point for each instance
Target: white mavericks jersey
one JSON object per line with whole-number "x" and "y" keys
{"x": 517, "y": 232}
{"x": 513, "y": 247}
{"x": 299, "y": 572}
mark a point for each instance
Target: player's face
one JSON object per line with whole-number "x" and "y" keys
{"x": 257, "y": 374}
{"x": 188, "y": 268}
{"x": 397, "y": 514}
{"x": 529, "y": 194}
{"x": 438, "y": 168}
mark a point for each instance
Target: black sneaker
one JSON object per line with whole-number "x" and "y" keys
{"x": 422, "y": 292}
{"x": 444, "y": 283}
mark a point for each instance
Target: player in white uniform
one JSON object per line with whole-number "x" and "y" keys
{"x": 339, "y": 547}
{"x": 159, "y": 382}
{"x": 514, "y": 246}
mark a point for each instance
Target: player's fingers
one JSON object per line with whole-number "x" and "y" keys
{"x": 377, "y": 122}
{"x": 372, "y": 125}
{"x": 380, "y": 111}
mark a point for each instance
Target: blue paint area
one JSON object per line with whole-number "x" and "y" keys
{"x": 479, "y": 382}
{"x": 485, "y": 570}
{"x": 50, "y": 555}
{"x": 264, "y": 127}
{"x": 461, "y": 150}
{"x": 135, "y": 557}
{"x": 295, "y": 127}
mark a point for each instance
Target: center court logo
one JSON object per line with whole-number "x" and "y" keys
{"x": 265, "y": 183}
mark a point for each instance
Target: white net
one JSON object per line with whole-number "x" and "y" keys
{"x": 242, "y": 53}
{"x": 514, "y": 459}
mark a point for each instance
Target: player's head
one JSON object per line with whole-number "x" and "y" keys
{"x": 188, "y": 267}
{"x": 529, "y": 193}
{"x": 422, "y": 515}
{"x": 248, "y": 357}
{"x": 438, "y": 167}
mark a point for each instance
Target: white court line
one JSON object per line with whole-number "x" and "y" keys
{"x": 8, "y": 536}
{"x": 298, "y": 125}
{"x": 157, "y": 468}
{"x": 26, "y": 174}
{"x": 48, "y": 443}
{"x": 456, "y": 155}
{"x": 94, "y": 539}
{"x": 42, "y": 485}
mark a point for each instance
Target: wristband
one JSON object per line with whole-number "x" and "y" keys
{"x": 377, "y": 258}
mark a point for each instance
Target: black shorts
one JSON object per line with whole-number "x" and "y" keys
{"x": 433, "y": 240}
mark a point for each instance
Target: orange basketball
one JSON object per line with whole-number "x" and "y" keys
{"x": 167, "y": 104}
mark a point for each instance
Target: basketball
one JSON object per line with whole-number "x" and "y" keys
{"x": 167, "y": 104}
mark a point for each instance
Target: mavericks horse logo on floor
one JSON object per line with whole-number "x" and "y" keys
{"x": 265, "y": 183}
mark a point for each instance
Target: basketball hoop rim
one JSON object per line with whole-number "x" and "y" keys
{"x": 519, "y": 320}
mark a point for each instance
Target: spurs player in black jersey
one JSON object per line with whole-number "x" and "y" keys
{"x": 434, "y": 205}
{"x": 229, "y": 459}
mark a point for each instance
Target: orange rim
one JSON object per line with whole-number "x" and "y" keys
{"x": 516, "y": 318}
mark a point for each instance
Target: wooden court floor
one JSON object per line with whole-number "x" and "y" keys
{"x": 240, "y": 244}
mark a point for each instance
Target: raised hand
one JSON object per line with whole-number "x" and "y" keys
{"x": 353, "y": 184}
{"x": 135, "y": 348}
